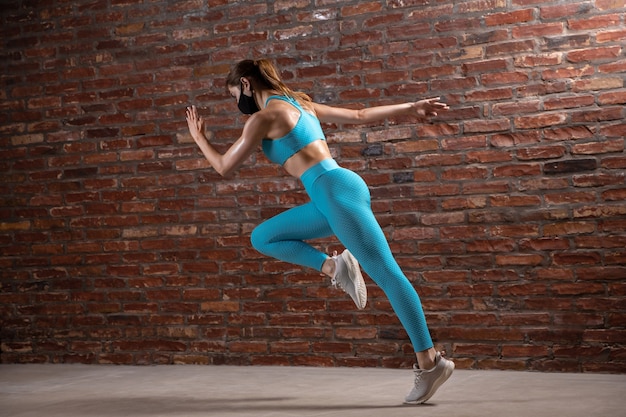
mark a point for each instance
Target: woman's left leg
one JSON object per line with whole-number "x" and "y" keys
{"x": 344, "y": 199}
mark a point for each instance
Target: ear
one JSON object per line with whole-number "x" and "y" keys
{"x": 247, "y": 86}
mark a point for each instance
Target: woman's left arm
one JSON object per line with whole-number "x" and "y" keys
{"x": 423, "y": 108}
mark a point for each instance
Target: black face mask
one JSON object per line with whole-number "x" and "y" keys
{"x": 246, "y": 104}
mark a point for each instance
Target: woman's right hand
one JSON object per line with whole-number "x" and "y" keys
{"x": 195, "y": 123}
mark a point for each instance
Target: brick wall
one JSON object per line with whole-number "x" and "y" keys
{"x": 119, "y": 244}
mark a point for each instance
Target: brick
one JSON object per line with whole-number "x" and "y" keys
{"x": 463, "y": 83}
{"x": 616, "y": 97}
{"x": 617, "y": 130}
{"x": 614, "y": 195}
{"x": 445, "y": 218}
{"x": 599, "y": 147}
{"x": 492, "y": 125}
{"x": 538, "y": 121}
{"x": 361, "y": 8}
{"x": 569, "y": 102}
{"x": 553, "y": 213}
{"x": 595, "y": 22}
{"x": 611, "y": 36}
{"x": 600, "y": 179}
{"x": 517, "y": 170}
{"x": 544, "y": 152}
{"x": 541, "y": 29}
{"x": 594, "y": 54}
{"x": 481, "y": 5}
{"x": 568, "y": 41}
{"x": 27, "y": 139}
{"x": 517, "y": 16}
{"x": 514, "y": 139}
{"x": 561, "y": 229}
{"x": 525, "y": 351}
{"x": 597, "y": 84}
{"x": 520, "y": 259}
{"x": 539, "y": 60}
{"x": 490, "y": 94}
{"x": 612, "y": 67}
{"x": 578, "y": 290}
{"x": 510, "y": 47}
{"x": 567, "y": 133}
{"x": 568, "y": 198}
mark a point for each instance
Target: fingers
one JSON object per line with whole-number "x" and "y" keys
{"x": 191, "y": 114}
{"x": 435, "y": 104}
{"x": 435, "y": 101}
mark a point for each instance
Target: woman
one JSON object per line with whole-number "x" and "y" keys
{"x": 287, "y": 126}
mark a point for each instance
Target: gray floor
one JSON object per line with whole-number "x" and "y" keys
{"x": 187, "y": 391}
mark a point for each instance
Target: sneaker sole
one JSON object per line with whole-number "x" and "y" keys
{"x": 354, "y": 272}
{"x": 438, "y": 382}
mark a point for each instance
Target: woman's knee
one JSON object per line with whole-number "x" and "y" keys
{"x": 259, "y": 238}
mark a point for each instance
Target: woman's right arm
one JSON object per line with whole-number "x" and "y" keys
{"x": 423, "y": 108}
{"x": 253, "y": 133}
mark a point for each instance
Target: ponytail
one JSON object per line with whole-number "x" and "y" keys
{"x": 270, "y": 75}
{"x": 264, "y": 74}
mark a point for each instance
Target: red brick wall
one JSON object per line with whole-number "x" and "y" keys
{"x": 119, "y": 244}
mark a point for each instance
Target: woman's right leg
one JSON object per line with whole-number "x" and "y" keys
{"x": 283, "y": 236}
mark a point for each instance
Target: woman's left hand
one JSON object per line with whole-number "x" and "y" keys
{"x": 429, "y": 107}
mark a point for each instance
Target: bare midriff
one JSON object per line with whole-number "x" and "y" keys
{"x": 307, "y": 157}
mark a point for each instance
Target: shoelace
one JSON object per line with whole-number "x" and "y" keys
{"x": 419, "y": 372}
{"x": 336, "y": 283}
{"x": 418, "y": 376}
{"x": 333, "y": 280}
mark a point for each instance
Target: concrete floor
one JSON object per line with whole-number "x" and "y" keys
{"x": 188, "y": 391}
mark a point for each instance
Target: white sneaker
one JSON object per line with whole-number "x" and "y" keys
{"x": 427, "y": 382}
{"x": 348, "y": 277}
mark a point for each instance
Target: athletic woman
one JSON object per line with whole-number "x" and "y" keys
{"x": 287, "y": 126}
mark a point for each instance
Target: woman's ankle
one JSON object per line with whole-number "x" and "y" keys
{"x": 426, "y": 358}
{"x": 328, "y": 267}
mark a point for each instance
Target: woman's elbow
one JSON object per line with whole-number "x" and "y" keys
{"x": 359, "y": 116}
{"x": 220, "y": 169}
{"x": 225, "y": 170}
{"x": 226, "y": 173}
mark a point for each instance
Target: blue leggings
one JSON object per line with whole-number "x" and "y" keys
{"x": 340, "y": 206}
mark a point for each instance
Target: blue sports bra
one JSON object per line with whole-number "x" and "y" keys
{"x": 307, "y": 130}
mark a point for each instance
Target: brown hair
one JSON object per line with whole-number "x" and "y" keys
{"x": 265, "y": 75}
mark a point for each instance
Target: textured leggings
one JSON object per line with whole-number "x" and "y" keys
{"x": 340, "y": 206}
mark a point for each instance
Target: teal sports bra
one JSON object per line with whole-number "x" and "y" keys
{"x": 306, "y": 131}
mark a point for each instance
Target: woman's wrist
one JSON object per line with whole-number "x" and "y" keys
{"x": 199, "y": 137}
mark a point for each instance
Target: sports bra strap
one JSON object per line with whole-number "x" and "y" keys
{"x": 306, "y": 130}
